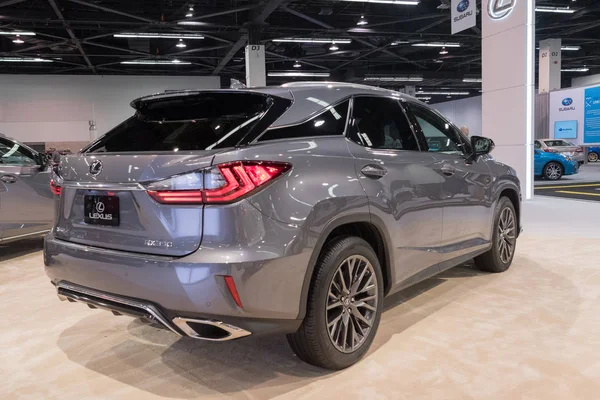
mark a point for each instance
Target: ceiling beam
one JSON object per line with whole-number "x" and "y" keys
{"x": 110, "y": 10}
{"x": 218, "y": 14}
{"x": 71, "y": 34}
{"x": 10, "y": 2}
{"x": 266, "y": 11}
{"x": 307, "y": 18}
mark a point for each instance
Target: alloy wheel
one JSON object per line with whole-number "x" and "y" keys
{"x": 351, "y": 303}
{"x": 593, "y": 157}
{"x": 506, "y": 235}
{"x": 553, "y": 171}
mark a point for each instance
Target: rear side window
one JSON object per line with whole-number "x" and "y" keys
{"x": 196, "y": 122}
{"x": 380, "y": 123}
{"x": 330, "y": 122}
{"x": 14, "y": 154}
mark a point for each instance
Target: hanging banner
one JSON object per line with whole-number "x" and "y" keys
{"x": 464, "y": 15}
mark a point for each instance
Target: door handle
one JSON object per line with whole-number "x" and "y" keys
{"x": 373, "y": 171}
{"x": 8, "y": 178}
{"x": 448, "y": 170}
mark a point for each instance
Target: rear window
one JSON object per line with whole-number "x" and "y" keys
{"x": 199, "y": 122}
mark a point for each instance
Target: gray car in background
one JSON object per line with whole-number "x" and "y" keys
{"x": 292, "y": 210}
{"x": 26, "y": 200}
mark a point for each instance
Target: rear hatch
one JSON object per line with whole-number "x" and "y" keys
{"x": 105, "y": 200}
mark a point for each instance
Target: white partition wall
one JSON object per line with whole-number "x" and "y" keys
{"x": 508, "y": 83}
{"x": 464, "y": 112}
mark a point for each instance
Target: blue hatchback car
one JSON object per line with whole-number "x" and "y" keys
{"x": 593, "y": 154}
{"x": 553, "y": 166}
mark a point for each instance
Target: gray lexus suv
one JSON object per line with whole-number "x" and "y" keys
{"x": 292, "y": 210}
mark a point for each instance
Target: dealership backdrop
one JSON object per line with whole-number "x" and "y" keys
{"x": 57, "y": 109}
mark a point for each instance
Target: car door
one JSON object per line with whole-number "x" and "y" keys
{"x": 26, "y": 202}
{"x": 400, "y": 183}
{"x": 466, "y": 184}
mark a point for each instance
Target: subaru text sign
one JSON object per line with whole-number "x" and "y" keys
{"x": 567, "y": 102}
{"x": 463, "y": 15}
{"x": 500, "y": 9}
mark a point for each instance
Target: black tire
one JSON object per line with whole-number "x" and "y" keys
{"x": 493, "y": 260}
{"x": 312, "y": 342}
{"x": 593, "y": 156}
{"x": 553, "y": 171}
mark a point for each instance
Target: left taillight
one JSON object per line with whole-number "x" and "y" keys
{"x": 221, "y": 184}
{"x": 55, "y": 187}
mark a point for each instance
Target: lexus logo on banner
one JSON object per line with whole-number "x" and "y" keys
{"x": 499, "y": 9}
{"x": 463, "y": 15}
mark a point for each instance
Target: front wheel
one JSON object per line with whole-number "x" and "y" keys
{"x": 344, "y": 307}
{"x": 553, "y": 171}
{"x": 504, "y": 240}
{"x": 593, "y": 156}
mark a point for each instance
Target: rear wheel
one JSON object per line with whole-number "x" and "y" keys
{"x": 553, "y": 171}
{"x": 344, "y": 306}
{"x": 593, "y": 156}
{"x": 504, "y": 240}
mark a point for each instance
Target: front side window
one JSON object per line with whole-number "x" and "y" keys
{"x": 440, "y": 135}
{"x": 200, "y": 122}
{"x": 14, "y": 154}
{"x": 557, "y": 143}
{"x": 331, "y": 122}
{"x": 380, "y": 123}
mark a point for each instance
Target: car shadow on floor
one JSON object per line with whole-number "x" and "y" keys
{"x": 156, "y": 361}
{"x": 20, "y": 248}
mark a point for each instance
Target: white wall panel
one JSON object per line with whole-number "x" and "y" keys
{"x": 464, "y": 112}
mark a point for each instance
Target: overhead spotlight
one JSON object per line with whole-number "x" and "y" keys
{"x": 362, "y": 21}
{"x": 190, "y": 12}
{"x": 334, "y": 47}
{"x": 181, "y": 45}
{"x": 443, "y": 51}
{"x": 297, "y": 65}
{"x": 18, "y": 40}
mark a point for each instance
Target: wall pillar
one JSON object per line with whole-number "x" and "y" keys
{"x": 508, "y": 84}
{"x": 550, "y": 65}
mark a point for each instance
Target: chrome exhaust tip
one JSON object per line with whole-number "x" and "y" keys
{"x": 211, "y": 330}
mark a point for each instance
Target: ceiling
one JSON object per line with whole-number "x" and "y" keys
{"x": 77, "y": 35}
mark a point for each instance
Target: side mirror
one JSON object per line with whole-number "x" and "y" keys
{"x": 481, "y": 145}
{"x": 42, "y": 161}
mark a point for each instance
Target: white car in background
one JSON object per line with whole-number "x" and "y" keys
{"x": 561, "y": 146}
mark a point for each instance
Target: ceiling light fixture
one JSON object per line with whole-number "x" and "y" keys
{"x": 190, "y": 12}
{"x": 24, "y": 33}
{"x": 442, "y": 93}
{"x": 362, "y": 21}
{"x": 18, "y": 40}
{"x": 181, "y": 45}
{"x": 579, "y": 69}
{"x": 559, "y": 10}
{"x": 312, "y": 40}
{"x": 472, "y": 80}
{"x": 397, "y": 42}
{"x": 159, "y": 35}
{"x": 300, "y": 74}
{"x": 156, "y": 62}
{"x": 396, "y": 2}
{"x": 394, "y": 78}
{"x": 23, "y": 59}
{"x": 297, "y": 65}
{"x": 437, "y": 44}
{"x": 334, "y": 47}
{"x": 443, "y": 51}
{"x": 423, "y": 98}
{"x": 570, "y": 48}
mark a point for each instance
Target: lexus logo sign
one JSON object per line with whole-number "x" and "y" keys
{"x": 96, "y": 167}
{"x": 499, "y": 9}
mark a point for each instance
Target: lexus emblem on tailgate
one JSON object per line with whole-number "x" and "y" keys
{"x": 498, "y": 9}
{"x": 96, "y": 167}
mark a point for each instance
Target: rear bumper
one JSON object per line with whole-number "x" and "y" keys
{"x": 191, "y": 287}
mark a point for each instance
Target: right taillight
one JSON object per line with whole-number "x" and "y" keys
{"x": 224, "y": 183}
{"x": 550, "y": 150}
{"x": 55, "y": 188}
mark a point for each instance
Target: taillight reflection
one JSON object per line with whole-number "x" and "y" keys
{"x": 55, "y": 188}
{"x": 224, "y": 183}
